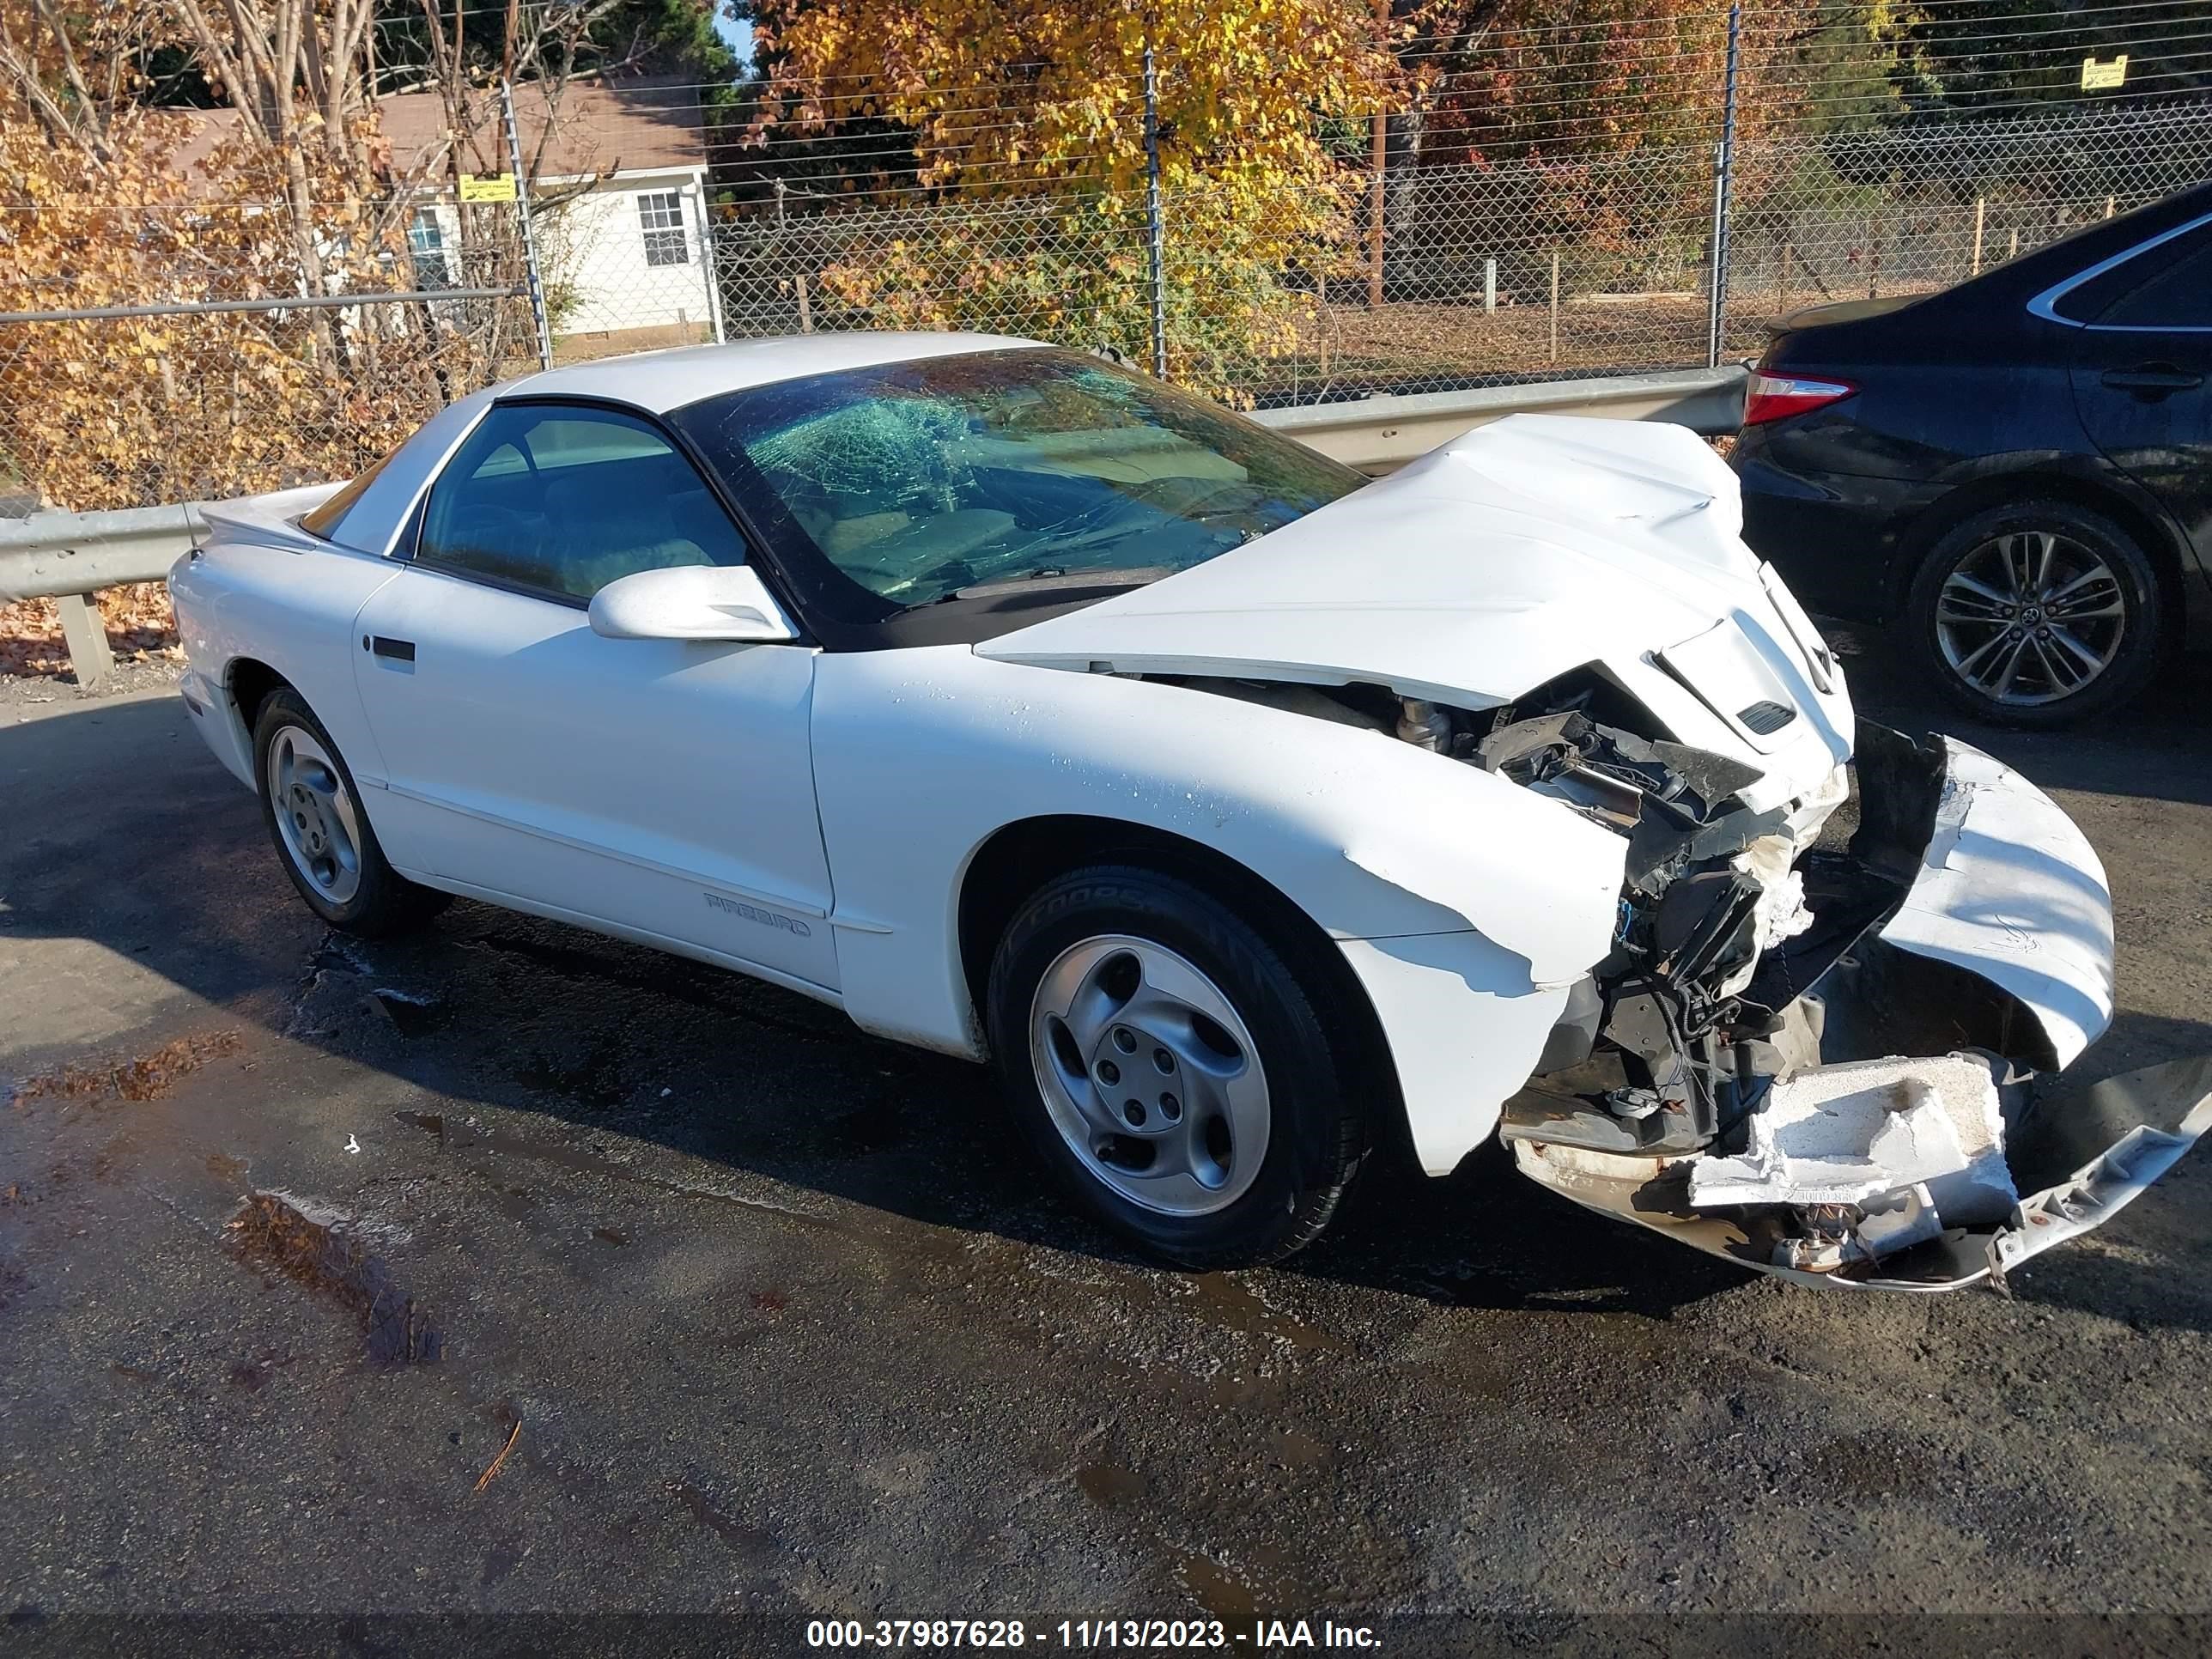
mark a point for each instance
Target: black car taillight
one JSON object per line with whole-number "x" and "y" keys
{"x": 1772, "y": 396}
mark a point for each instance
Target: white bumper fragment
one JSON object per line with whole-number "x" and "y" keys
{"x": 2010, "y": 891}
{"x": 2152, "y": 1116}
{"x": 1842, "y": 1134}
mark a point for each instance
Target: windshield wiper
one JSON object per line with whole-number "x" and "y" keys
{"x": 1054, "y": 577}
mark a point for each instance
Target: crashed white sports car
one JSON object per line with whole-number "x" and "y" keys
{"x": 1245, "y": 814}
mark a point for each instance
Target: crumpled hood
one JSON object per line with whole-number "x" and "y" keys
{"x": 1509, "y": 555}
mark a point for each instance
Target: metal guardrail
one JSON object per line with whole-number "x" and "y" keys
{"x": 69, "y": 557}
{"x": 1381, "y": 435}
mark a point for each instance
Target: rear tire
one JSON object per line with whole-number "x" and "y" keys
{"x": 1186, "y": 1075}
{"x": 2037, "y": 614}
{"x": 322, "y": 836}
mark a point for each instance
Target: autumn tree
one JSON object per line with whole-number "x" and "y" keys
{"x": 1041, "y": 104}
{"x": 289, "y": 193}
{"x": 281, "y": 185}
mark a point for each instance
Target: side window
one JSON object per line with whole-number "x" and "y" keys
{"x": 426, "y": 241}
{"x": 2180, "y": 296}
{"x": 562, "y": 500}
{"x": 660, "y": 217}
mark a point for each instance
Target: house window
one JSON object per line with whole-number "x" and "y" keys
{"x": 426, "y": 241}
{"x": 660, "y": 216}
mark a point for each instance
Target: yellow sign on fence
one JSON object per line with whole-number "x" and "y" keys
{"x": 500, "y": 187}
{"x": 2102, "y": 77}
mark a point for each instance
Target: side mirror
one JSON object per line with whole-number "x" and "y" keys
{"x": 692, "y": 602}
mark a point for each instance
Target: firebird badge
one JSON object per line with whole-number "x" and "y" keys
{"x": 754, "y": 913}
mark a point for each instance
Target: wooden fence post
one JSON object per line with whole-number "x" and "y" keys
{"x": 1555, "y": 305}
{"x": 1377, "y": 188}
{"x": 1321, "y": 318}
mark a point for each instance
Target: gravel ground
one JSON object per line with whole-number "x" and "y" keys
{"x": 658, "y": 1291}
{"x": 23, "y": 696}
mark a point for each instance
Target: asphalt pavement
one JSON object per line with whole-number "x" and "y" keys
{"x": 507, "y": 1269}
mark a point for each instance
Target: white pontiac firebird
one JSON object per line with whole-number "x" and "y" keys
{"x": 1246, "y": 815}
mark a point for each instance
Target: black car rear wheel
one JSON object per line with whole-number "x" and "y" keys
{"x": 2037, "y": 614}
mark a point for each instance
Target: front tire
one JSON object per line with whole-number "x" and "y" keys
{"x": 1185, "y": 1073}
{"x": 323, "y": 838}
{"x": 2037, "y": 614}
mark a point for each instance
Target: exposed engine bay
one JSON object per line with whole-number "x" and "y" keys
{"x": 1779, "y": 1060}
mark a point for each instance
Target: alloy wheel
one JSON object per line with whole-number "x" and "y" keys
{"x": 316, "y": 818}
{"x": 1149, "y": 1074}
{"x": 2031, "y": 616}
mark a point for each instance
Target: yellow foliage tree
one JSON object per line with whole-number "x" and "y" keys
{"x": 1042, "y": 103}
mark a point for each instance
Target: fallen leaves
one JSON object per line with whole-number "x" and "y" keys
{"x": 137, "y": 617}
{"x": 142, "y": 1077}
{"x": 326, "y": 1257}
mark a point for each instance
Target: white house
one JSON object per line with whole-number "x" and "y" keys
{"x": 619, "y": 202}
{"x": 621, "y": 206}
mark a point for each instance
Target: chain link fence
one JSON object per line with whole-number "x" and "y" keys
{"x": 1865, "y": 215}
{"x": 1568, "y": 260}
{"x": 1489, "y": 275}
{"x": 211, "y": 386}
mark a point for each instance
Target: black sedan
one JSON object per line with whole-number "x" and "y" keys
{"x": 2017, "y": 470}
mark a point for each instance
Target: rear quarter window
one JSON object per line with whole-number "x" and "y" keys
{"x": 2151, "y": 272}
{"x": 2180, "y": 296}
{"x": 328, "y": 520}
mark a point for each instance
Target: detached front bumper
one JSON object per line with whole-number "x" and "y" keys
{"x": 1933, "y": 1143}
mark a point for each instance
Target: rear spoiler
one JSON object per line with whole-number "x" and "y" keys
{"x": 271, "y": 520}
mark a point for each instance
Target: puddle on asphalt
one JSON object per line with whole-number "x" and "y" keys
{"x": 597, "y": 1080}
{"x": 1111, "y": 1487}
{"x": 270, "y": 1231}
{"x": 337, "y": 954}
{"x": 1220, "y": 1592}
{"x": 456, "y": 1136}
{"x": 142, "y": 1077}
{"x": 1228, "y": 1302}
{"x": 709, "y": 989}
{"x": 734, "y": 1533}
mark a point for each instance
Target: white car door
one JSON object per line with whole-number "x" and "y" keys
{"x": 661, "y": 789}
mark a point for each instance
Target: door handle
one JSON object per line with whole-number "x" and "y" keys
{"x": 394, "y": 650}
{"x": 2151, "y": 382}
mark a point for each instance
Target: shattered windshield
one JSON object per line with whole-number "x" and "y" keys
{"x": 921, "y": 482}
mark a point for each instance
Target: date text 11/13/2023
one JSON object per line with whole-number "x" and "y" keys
{"x": 1264, "y": 1636}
